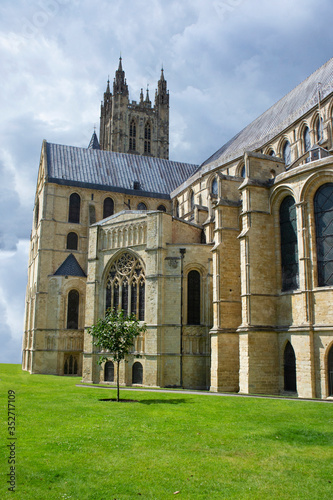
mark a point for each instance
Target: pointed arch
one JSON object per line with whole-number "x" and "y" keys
{"x": 125, "y": 285}
{"x": 323, "y": 210}
{"x": 289, "y": 244}
{"x": 289, "y": 368}
{"x": 286, "y": 152}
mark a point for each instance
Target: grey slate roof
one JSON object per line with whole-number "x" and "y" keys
{"x": 106, "y": 170}
{"x": 278, "y": 117}
{"x": 70, "y": 267}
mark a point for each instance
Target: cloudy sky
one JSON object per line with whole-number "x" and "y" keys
{"x": 226, "y": 61}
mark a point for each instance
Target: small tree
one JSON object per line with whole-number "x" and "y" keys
{"x": 115, "y": 333}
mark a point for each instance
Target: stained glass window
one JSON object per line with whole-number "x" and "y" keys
{"x": 289, "y": 248}
{"x": 125, "y": 286}
{"x": 323, "y": 207}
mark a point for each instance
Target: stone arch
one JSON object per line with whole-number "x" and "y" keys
{"x": 109, "y": 371}
{"x": 124, "y": 281}
{"x": 329, "y": 369}
{"x": 137, "y": 373}
{"x": 289, "y": 368}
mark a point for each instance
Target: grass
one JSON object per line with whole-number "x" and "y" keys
{"x": 72, "y": 445}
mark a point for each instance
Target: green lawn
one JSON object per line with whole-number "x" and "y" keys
{"x": 72, "y": 445}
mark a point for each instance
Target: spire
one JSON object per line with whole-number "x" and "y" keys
{"x": 94, "y": 144}
{"x": 119, "y": 83}
{"x": 141, "y": 96}
{"x": 147, "y": 101}
{"x": 162, "y": 96}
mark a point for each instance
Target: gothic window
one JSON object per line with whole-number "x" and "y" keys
{"x": 147, "y": 145}
{"x": 74, "y": 208}
{"x": 289, "y": 249}
{"x": 109, "y": 371}
{"x": 161, "y": 208}
{"x": 214, "y": 187}
{"x": 108, "y": 207}
{"x": 319, "y": 129}
{"x": 72, "y": 241}
{"x": 330, "y": 371}
{"x": 289, "y": 365}
{"x": 137, "y": 373}
{"x": 286, "y": 153}
{"x": 323, "y": 208}
{"x": 142, "y": 206}
{"x": 125, "y": 286}
{"x": 306, "y": 139}
{"x": 70, "y": 365}
{"x": 272, "y": 152}
{"x": 73, "y": 310}
{"x": 243, "y": 172}
{"x": 193, "y": 298}
{"x": 132, "y": 140}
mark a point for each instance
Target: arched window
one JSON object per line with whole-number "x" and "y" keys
{"x": 243, "y": 172}
{"x": 330, "y": 371}
{"x": 109, "y": 371}
{"x": 73, "y": 310}
{"x": 191, "y": 200}
{"x": 319, "y": 129}
{"x": 272, "y": 152}
{"x": 137, "y": 373}
{"x": 215, "y": 187}
{"x": 125, "y": 286}
{"x": 147, "y": 146}
{"x": 323, "y": 207}
{"x": 108, "y": 207}
{"x": 72, "y": 241}
{"x": 289, "y": 249}
{"x": 289, "y": 365}
{"x": 193, "y": 298}
{"x": 306, "y": 139}
{"x": 74, "y": 208}
{"x": 132, "y": 140}
{"x": 161, "y": 208}
{"x": 286, "y": 153}
{"x": 142, "y": 206}
{"x": 70, "y": 365}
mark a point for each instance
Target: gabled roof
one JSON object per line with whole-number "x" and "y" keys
{"x": 70, "y": 267}
{"x": 106, "y": 170}
{"x": 278, "y": 117}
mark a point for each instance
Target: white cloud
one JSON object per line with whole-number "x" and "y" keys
{"x": 226, "y": 61}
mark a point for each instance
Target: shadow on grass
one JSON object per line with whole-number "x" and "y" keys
{"x": 303, "y": 437}
{"x": 149, "y": 401}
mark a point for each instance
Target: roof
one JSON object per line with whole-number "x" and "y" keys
{"x": 94, "y": 144}
{"x": 107, "y": 170}
{"x": 278, "y": 117}
{"x": 70, "y": 267}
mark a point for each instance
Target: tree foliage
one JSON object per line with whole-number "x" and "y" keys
{"x": 114, "y": 335}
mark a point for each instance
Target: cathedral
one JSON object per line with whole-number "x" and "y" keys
{"x": 228, "y": 263}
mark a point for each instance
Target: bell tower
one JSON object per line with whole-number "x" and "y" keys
{"x": 131, "y": 127}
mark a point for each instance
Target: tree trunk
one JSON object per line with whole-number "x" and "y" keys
{"x": 118, "y": 362}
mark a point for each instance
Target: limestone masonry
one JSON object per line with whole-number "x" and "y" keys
{"x": 229, "y": 263}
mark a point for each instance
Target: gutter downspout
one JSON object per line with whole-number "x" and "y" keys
{"x": 182, "y": 252}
